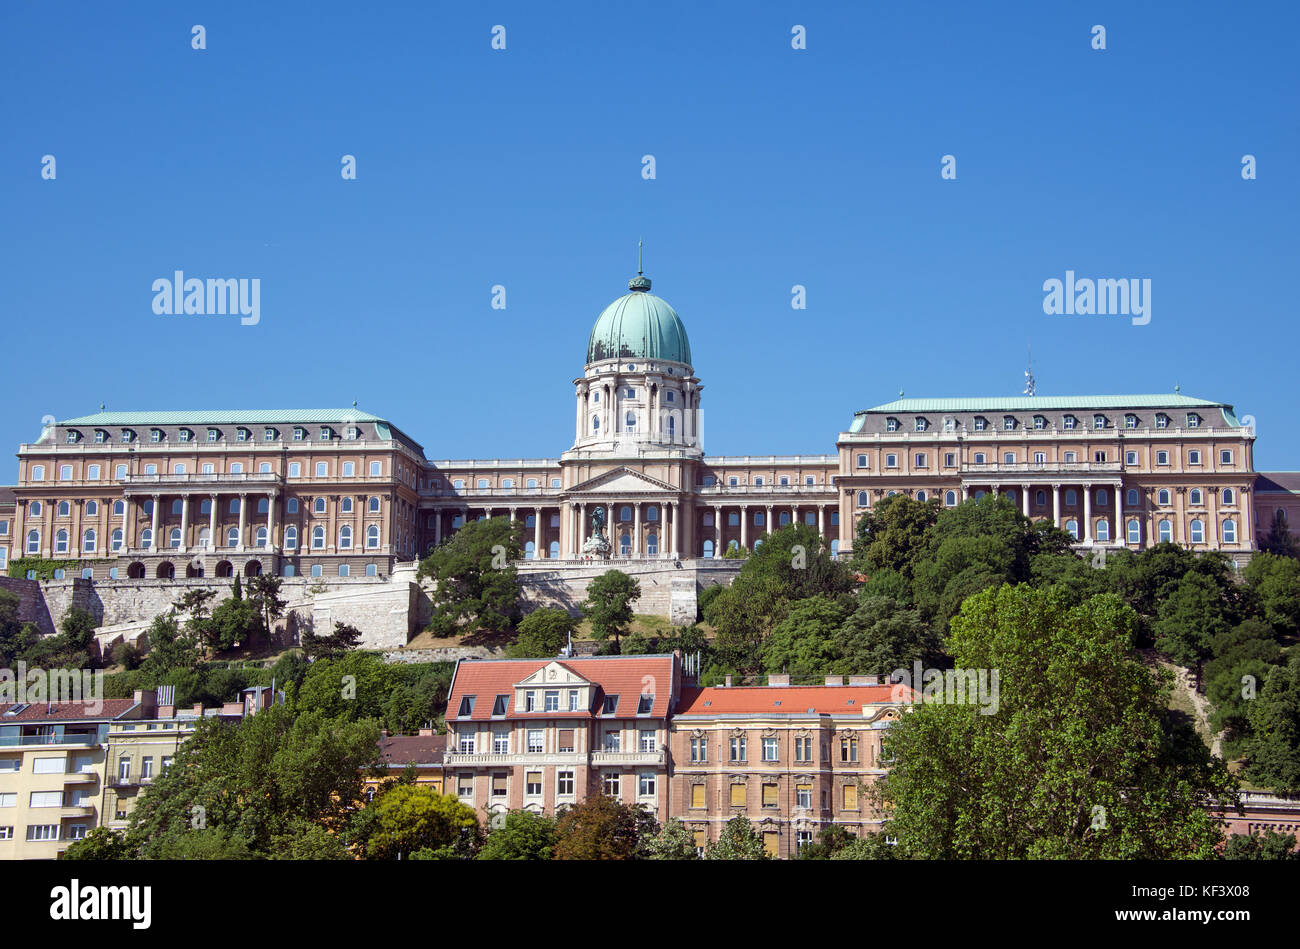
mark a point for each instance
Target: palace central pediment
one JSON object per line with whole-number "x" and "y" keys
{"x": 623, "y": 481}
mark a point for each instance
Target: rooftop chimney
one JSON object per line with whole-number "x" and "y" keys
{"x": 835, "y": 680}
{"x": 783, "y": 679}
{"x": 727, "y": 682}
{"x": 427, "y": 733}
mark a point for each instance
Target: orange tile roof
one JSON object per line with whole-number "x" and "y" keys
{"x": 624, "y": 676}
{"x": 399, "y": 750}
{"x": 792, "y": 699}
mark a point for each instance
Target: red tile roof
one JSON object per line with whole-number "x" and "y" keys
{"x": 400, "y": 750}
{"x": 65, "y": 711}
{"x": 624, "y": 676}
{"x": 793, "y": 699}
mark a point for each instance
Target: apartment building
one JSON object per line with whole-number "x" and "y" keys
{"x": 540, "y": 734}
{"x": 424, "y": 752}
{"x": 792, "y": 759}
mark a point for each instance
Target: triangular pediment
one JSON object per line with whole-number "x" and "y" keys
{"x": 622, "y": 480}
{"x": 553, "y": 673}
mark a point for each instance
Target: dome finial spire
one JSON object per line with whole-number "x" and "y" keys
{"x": 640, "y": 282}
{"x": 639, "y": 271}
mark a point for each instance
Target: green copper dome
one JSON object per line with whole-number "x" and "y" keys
{"x": 639, "y": 325}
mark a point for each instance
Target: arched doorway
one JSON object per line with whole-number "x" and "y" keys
{"x": 193, "y": 570}
{"x": 165, "y": 571}
{"x": 135, "y": 571}
{"x": 253, "y": 568}
{"x": 708, "y": 549}
{"x": 224, "y": 569}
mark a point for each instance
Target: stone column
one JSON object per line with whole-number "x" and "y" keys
{"x": 153, "y": 527}
{"x": 717, "y": 531}
{"x": 1087, "y": 514}
{"x": 1056, "y": 505}
{"x": 821, "y": 520}
{"x": 126, "y": 526}
{"x": 636, "y": 529}
{"x": 243, "y": 520}
{"x": 1024, "y": 488}
{"x": 744, "y": 525}
{"x": 437, "y": 526}
{"x": 358, "y": 541}
{"x": 212, "y": 521}
{"x": 582, "y": 529}
{"x": 537, "y": 532}
{"x": 185, "y": 522}
{"x": 673, "y": 512}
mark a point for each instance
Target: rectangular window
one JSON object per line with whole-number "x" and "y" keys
{"x": 697, "y": 795}
{"x": 11, "y": 764}
{"x": 565, "y": 741}
{"x": 771, "y": 798}
{"x": 1225, "y": 456}
{"x": 1130, "y": 458}
{"x": 738, "y": 749}
{"x": 50, "y": 765}
{"x": 610, "y": 783}
{"x": 465, "y": 787}
{"x": 920, "y": 459}
{"x": 533, "y": 783}
{"x": 1193, "y": 457}
{"x": 803, "y": 795}
{"x": 552, "y": 701}
{"x": 848, "y": 749}
{"x": 699, "y": 749}
{"x": 535, "y": 741}
{"x": 1162, "y": 457}
{"x": 573, "y": 700}
{"x": 850, "y": 797}
{"x": 613, "y": 740}
{"x": 645, "y": 786}
{"x": 146, "y": 768}
{"x": 647, "y": 741}
{"x": 466, "y": 746}
{"x": 47, "y": 799}
{"x": 6, "y": 833}
{"x": 769, "y": 749}
{"x": 738, "y": 795}
{"x": 42, "y": 831}
{"x": 803, "y": 749}
{"x": 771, "y": 843}
{"x": 501, "y": 741}
{"x": 1099, "y": 457}
{"x": 564, "y": 783}
{"x": 9, "y": 800}
{"x": 530, "y": 701}
{"x": 891, "y": 461}
{"x": 500, "y": 785}
{"x": 949, "y": 459}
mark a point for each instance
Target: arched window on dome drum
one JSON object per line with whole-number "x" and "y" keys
{"x": 672, "y": 426}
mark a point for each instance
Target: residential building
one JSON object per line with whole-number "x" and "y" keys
{"x": 424, "y": 752}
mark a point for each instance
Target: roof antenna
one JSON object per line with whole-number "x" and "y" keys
{"x": 1030, "y": 383}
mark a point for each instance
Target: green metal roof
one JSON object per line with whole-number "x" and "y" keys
{"x": 1031, "y": 403}
{"x": 225, "y": 416}
{"x": 639, "y": 325}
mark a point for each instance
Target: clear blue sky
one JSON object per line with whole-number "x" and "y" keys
{"x": 523, "y": 168}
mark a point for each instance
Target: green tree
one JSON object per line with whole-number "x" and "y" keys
{"x": 1191, "y": 614}
{"x": 1269, "y": 845}
{"x": 881, "y": 635}
{"x": 1280, "y": 540}
{"x": 738, "y": 841}
{"x": 830, "y": 841}
{"x": 1080, "y": 759}
{"x": 1273, "y": 750}
{"x": 235, "y": 621}
{"x": 599, "y": 828}
{"x": 418, "y": 818}
{"x": 303, "y": 840}
{"x": 609, "y": 605}
{"x": 866, "y": 847}
{"x": 1243, "y": 658}
{"x": 673, "y": 842}
{"x": 522, "y": 835}
{"x": 477, "y": 582}
{"x": 1274, "y": 583}
{"x": 894, "y": 534}
{"x": 101, "y": 843}
{"x": 264, "y": 594}
{"x": 338, "y": 643}
{"x": 542, "y": 634}
{"x": 171, "y": 649}
{"x": 806, "y": 643}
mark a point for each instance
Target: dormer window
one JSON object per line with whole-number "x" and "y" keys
{"x": 950, "y": 425}
{"x": 155, "y": 435}
{"x": 1130, "y": 421}
{"x": 1008, "y": 423}
{"x": 213, "y": 435}
{"x": 981, "y": 423}
{"x": 1193, "y": 420}
{"x": 1099, "y": 421}
{"x": 610, "y": 706}
{"x": 326, "y": 433}
{"x": 268, "y": 434}
{"x": 72, "y": 436}
{"x": 1162, "y": 420}
{"x": 185, "y": 434}
{"x": 921, "y": 424}
{"x": 891, "y": 424}
{"x": 352, "y": 433}
{"x": 101, "y": 436}
{"x": 241, "y": 434}
{"x": 645, "y": 704}
{"x": 1068, "y": 422}
{"x": 466, "y": 706}
{"x": 127, "y": 436}
{"x": 299, "y": 434}
{"x": 1040, "y": 423}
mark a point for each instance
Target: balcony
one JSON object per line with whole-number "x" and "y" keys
{"x": 129, "y": 781}
{"x": 143, "y": 483}
{"x": 629, "y": 759}
{"x": 1046, "y": 467}
{"x": 22, "y": 741}
{"x": 473, "y": 759}
{"x": 80, "y": 777}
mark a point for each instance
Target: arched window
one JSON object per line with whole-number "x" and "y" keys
{"x": 835, "y": 548}
{"x": 262, "y": 505}
{"x": 1132, "y": 497}
{"x": 1103, "y": 530}
{"x": 1071, "y": 497}
{"x": 34, "y": 509}
{"x": 264, "y": 467}
{"x": 372, "y": 536}
{"x": 61, "y": 542}
{"x": 978, "y": 494}
{"x": 374, "y": 505}
{"x": 862, "y": 499}
{"x": 554, "y": 550}
{"x": 530, "y": 551}
{"x": 234, "y": 506}
{"x": 1134, "y": 531}
{"x": 119, "y": 508}
{"x": 652, "y": 513}
{"x": 1229, "y": 531}
{"x": 950, "y": 498}
{"x": 1072, "y": 528}
{"x": 347, "y": 505}
{"x": 116, "y": 540}
{"x": 290, "y": 538}
{"x": 92, "y": 508}
{"x": 178, "y": 469}
{"x": 1198, "y": 531}
{"x": 672, "y": 424}
{"x": 595, "y": 423}
{"x": 316, "y": 570}
{"x": 1163, "y": 496}
{"x": 652, "y": 544}
{"x": 1040, "y": 498}
{"x": 920, "y": 495}
{"x": 33, "y": 542}
{"x": 205, "y": 537}
{"x": 630, "y": 420}
{"x": 232, "y": 537}
{"x": 318, "y": 537}
{"x": 345, "y": 570}
{"x": 1166, "y": 531}
{"x": 146, "y": 537}
{"x": 176, "y": 506}
{"x": 318, "y": 506}
{"x": 625, "y": 513}
{"x": 760, "y": 519}
{"x": 707, "y": 549}
{"x": 64, "y": 509}
{"x": 1195, "y": 497}
{"x": 260, "y": 537}
{"x": 1103, "y": 497}
{"x": 291, "y": 506}
{"x": 174, "y": 537}
{"x": 345, "y": 537}
{"x": 625, "y": 544}
{"x": 288, "y": 570}
{"x": 237, "y": 468}
{"x": 88, "y": 542}
{"x": 1228, "y": 496}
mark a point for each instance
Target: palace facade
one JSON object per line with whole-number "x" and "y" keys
{"x": 341, "y": 493}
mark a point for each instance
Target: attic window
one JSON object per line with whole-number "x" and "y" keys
{"x": 777, "y": 702}
{"x": 610, "y": 706}
{"x": 16, "y": 709}
{"x": 466, "y": 706}
{"x": 811, "y": 710}
{"x": 852, "y": 701}
{"x": 646, "y": 703}
{"x": 708, "y": 703}
{"x": 499, "y": 704}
